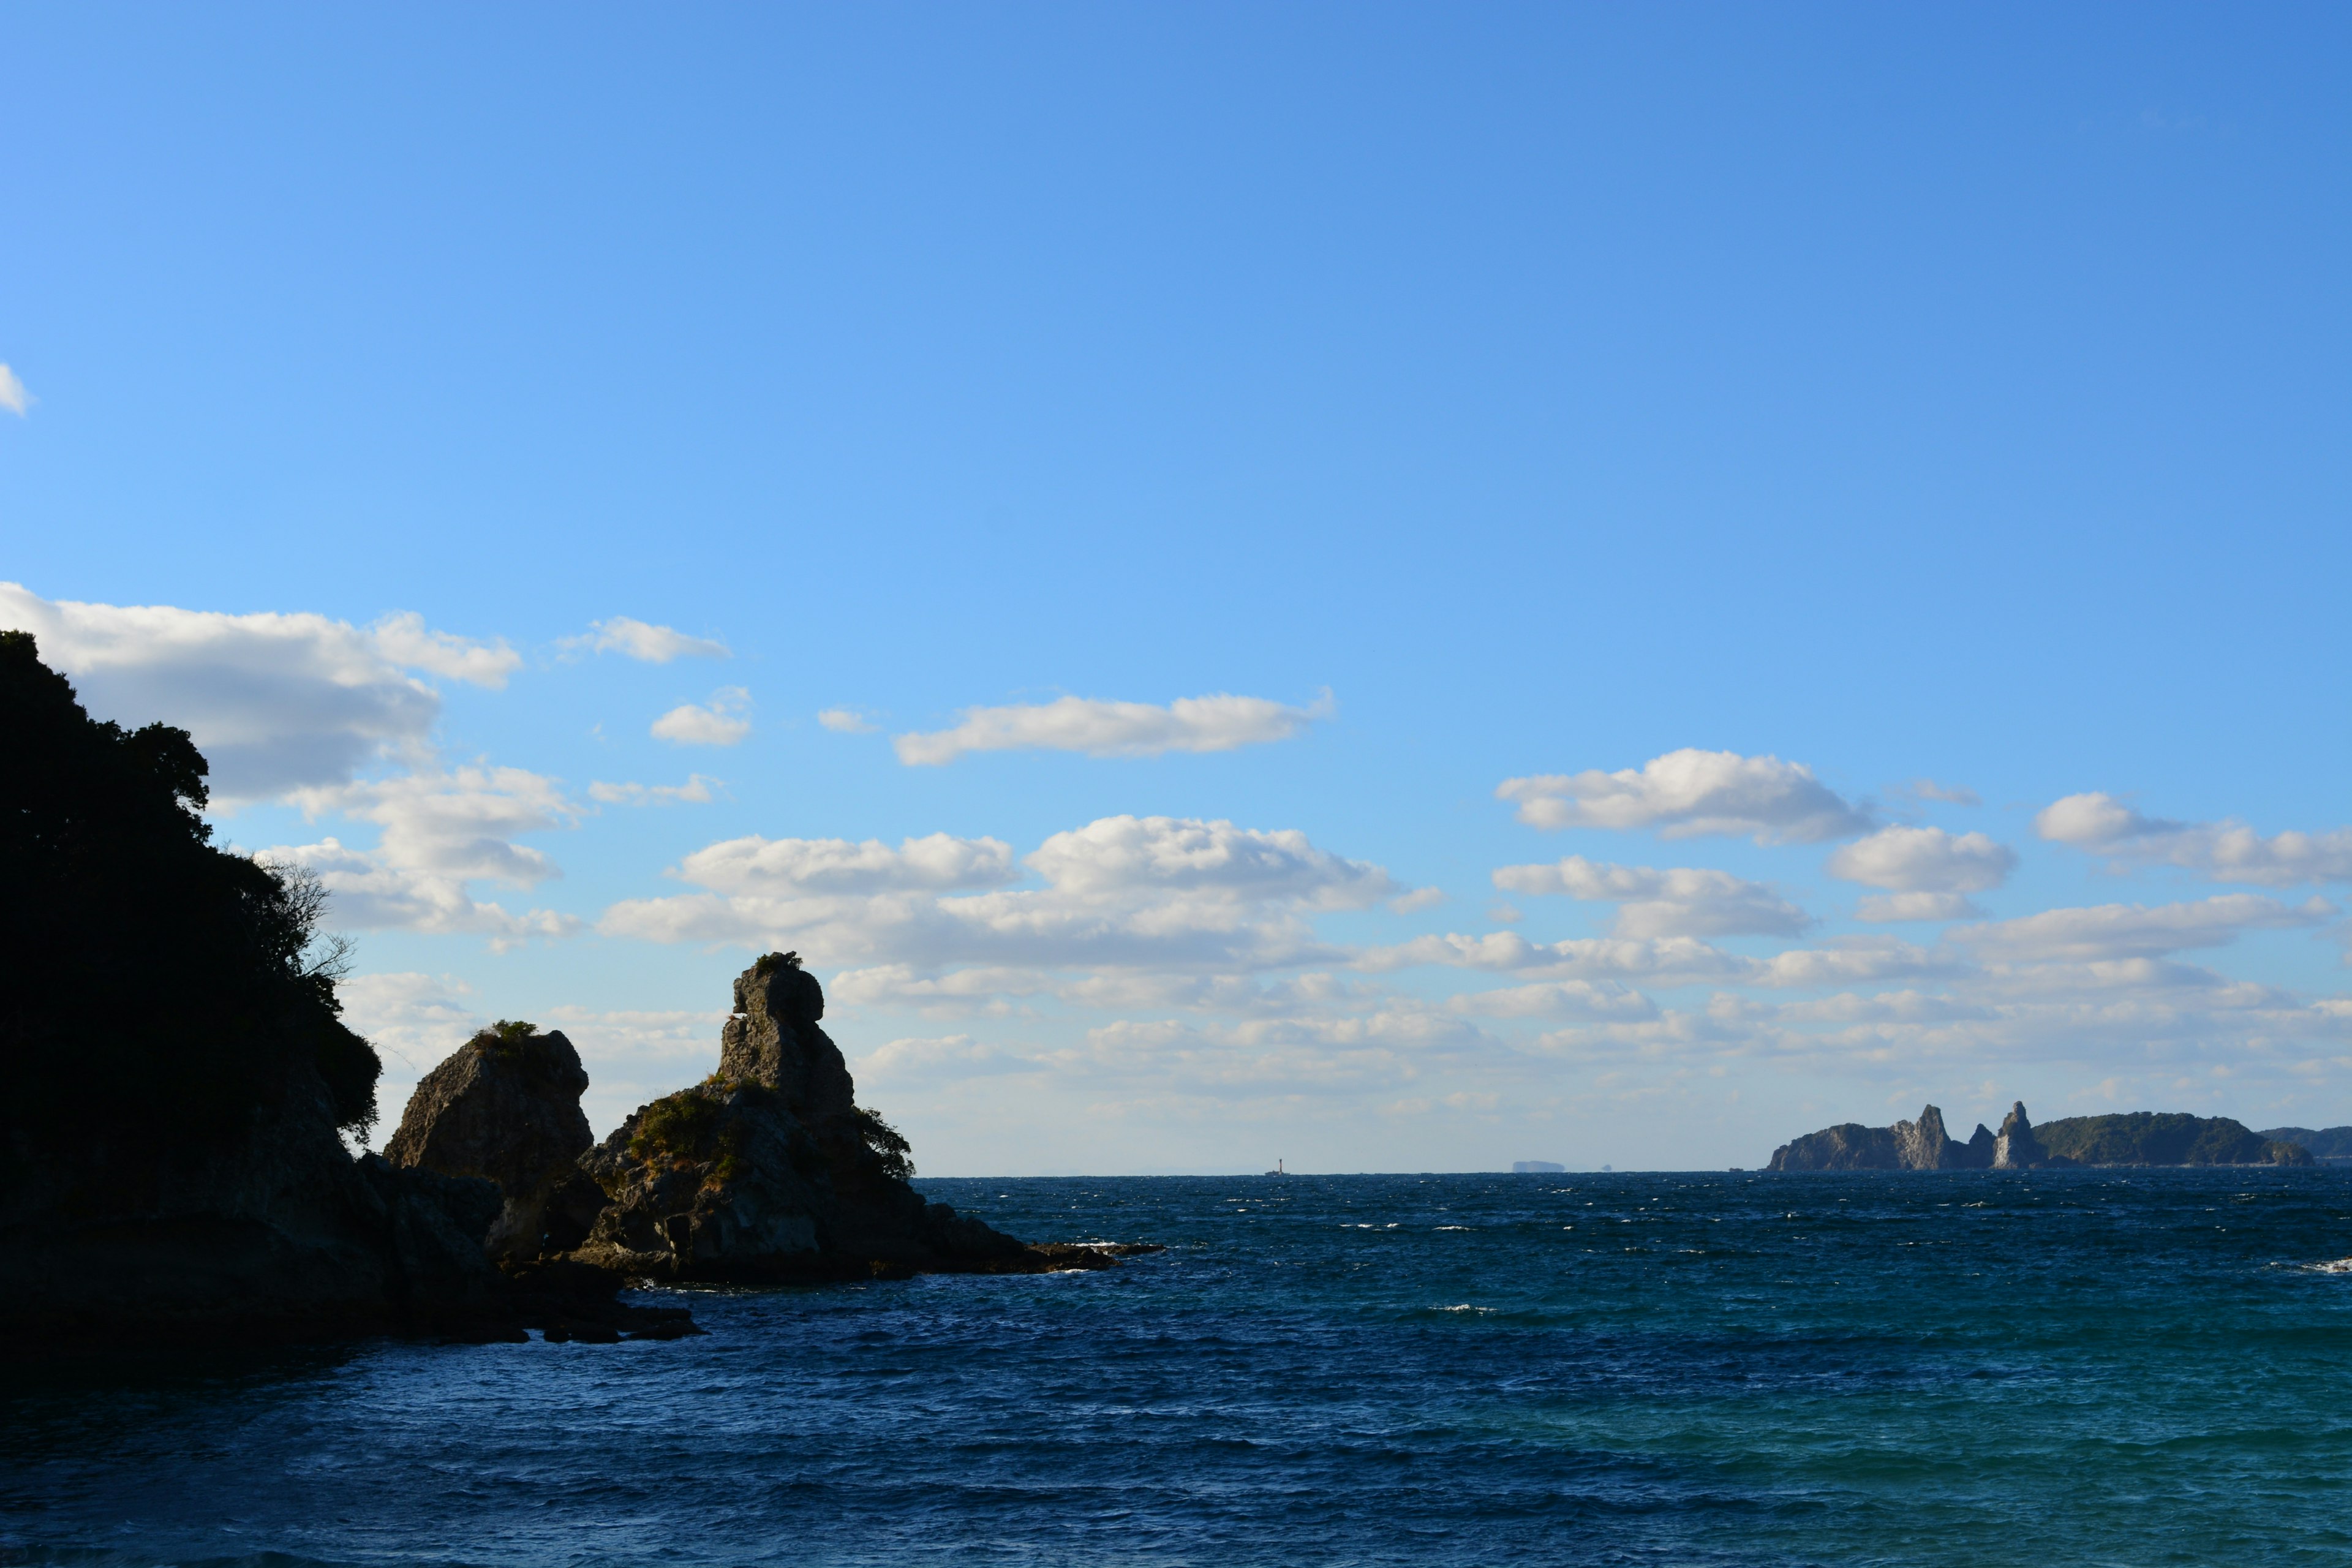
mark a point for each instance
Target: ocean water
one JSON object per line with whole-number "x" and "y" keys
{"x": 2095, "y": 1367}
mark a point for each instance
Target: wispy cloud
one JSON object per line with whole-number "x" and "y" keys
{"x": 13, "y": 395}
{"x": 696, "y": 790}
{"x": 643, "y": 641}
{"x": 847, "y": 722}
{"x": 1099, "y": 729}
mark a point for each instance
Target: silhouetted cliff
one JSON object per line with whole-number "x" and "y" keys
{"x": 173, "y": 1069}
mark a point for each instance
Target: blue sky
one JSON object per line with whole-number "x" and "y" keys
{"x": 1863, "y": 396}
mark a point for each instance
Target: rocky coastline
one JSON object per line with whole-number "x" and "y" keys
{"x": 2135, "y": 1139}
{"x": 176, "y": 1089}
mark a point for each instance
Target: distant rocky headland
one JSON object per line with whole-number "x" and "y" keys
{"x": 176, "y": 1083}
{"x": 2139, "y": 1138}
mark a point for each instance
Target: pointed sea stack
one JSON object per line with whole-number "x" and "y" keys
{"x": 769, "y": 1171}
{"x": 2017, "y": 1148}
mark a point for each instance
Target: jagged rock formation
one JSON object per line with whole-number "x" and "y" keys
{"x": 1921, "y": 1145}
{"x": 506, "y": 1107}
{"x": 769, "y": 1171}
{"x": 2017, "y": 1148}
{"x": 2142, "y": 1137}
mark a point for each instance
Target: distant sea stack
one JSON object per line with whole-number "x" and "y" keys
{"x": 2139, "y": 1138}
{"x": 1921, "y": 1145}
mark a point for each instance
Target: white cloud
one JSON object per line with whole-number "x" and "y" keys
{"x": 1924, "y": 860}
{"x": 1689, "y": 792}
{"x": 13, "y": 395}
{"x": 1420, "y": 899}
{"x": 938, "y": 863}
{"x": 2134, "y": 930}
{"x": 441, "y": 830}
{"x": 371, "y": 893}
{"x": 1892, "y": 907}
{"x": 459, "y": 822}
{"x": 1098, "y": 729}
{"x": 1676, "y": 901}
{"x": 719, "y": 722}
{"x": 847, "y": 722}
{"x": 2226, "y": 851}
{"x": 645, "y": 642}
{"x": 1114, "y": 856}
{"x": 1123, "y": 894}
{"x": 275, "y": 702}
{"x": 695, "y": 791}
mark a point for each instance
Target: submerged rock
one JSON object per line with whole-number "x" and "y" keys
{"x": 506, "y": 1107}
{"x": 769, "y": 1171}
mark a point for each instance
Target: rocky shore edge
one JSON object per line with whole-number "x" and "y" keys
{"x": 176, "y": 1085}
{"x": 493, "y": 1212}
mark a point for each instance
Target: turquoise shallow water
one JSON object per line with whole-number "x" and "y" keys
{"x": 2065, "y": 1368}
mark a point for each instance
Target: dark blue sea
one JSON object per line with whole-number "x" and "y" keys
{"x": 2069, "y": 1368}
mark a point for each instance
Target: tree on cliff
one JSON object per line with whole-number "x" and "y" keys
{"x": 156, "y": 991}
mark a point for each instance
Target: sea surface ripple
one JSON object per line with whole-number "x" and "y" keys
{"x": 2141, "y": 1367}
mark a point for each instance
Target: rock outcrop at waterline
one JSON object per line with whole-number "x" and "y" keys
{"x": 2142, "y": 1137}
{"x": 769, "y": 1171}
{"x": 506, "y": 1108}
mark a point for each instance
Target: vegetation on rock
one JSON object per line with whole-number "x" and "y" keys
{"x": 2163, "y": 1138}
{"x": 897, "y": 1155}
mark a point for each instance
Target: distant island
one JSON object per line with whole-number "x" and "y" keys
{"x": 2136, "y": 1138}
{"x": 1537, "y": 1168}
